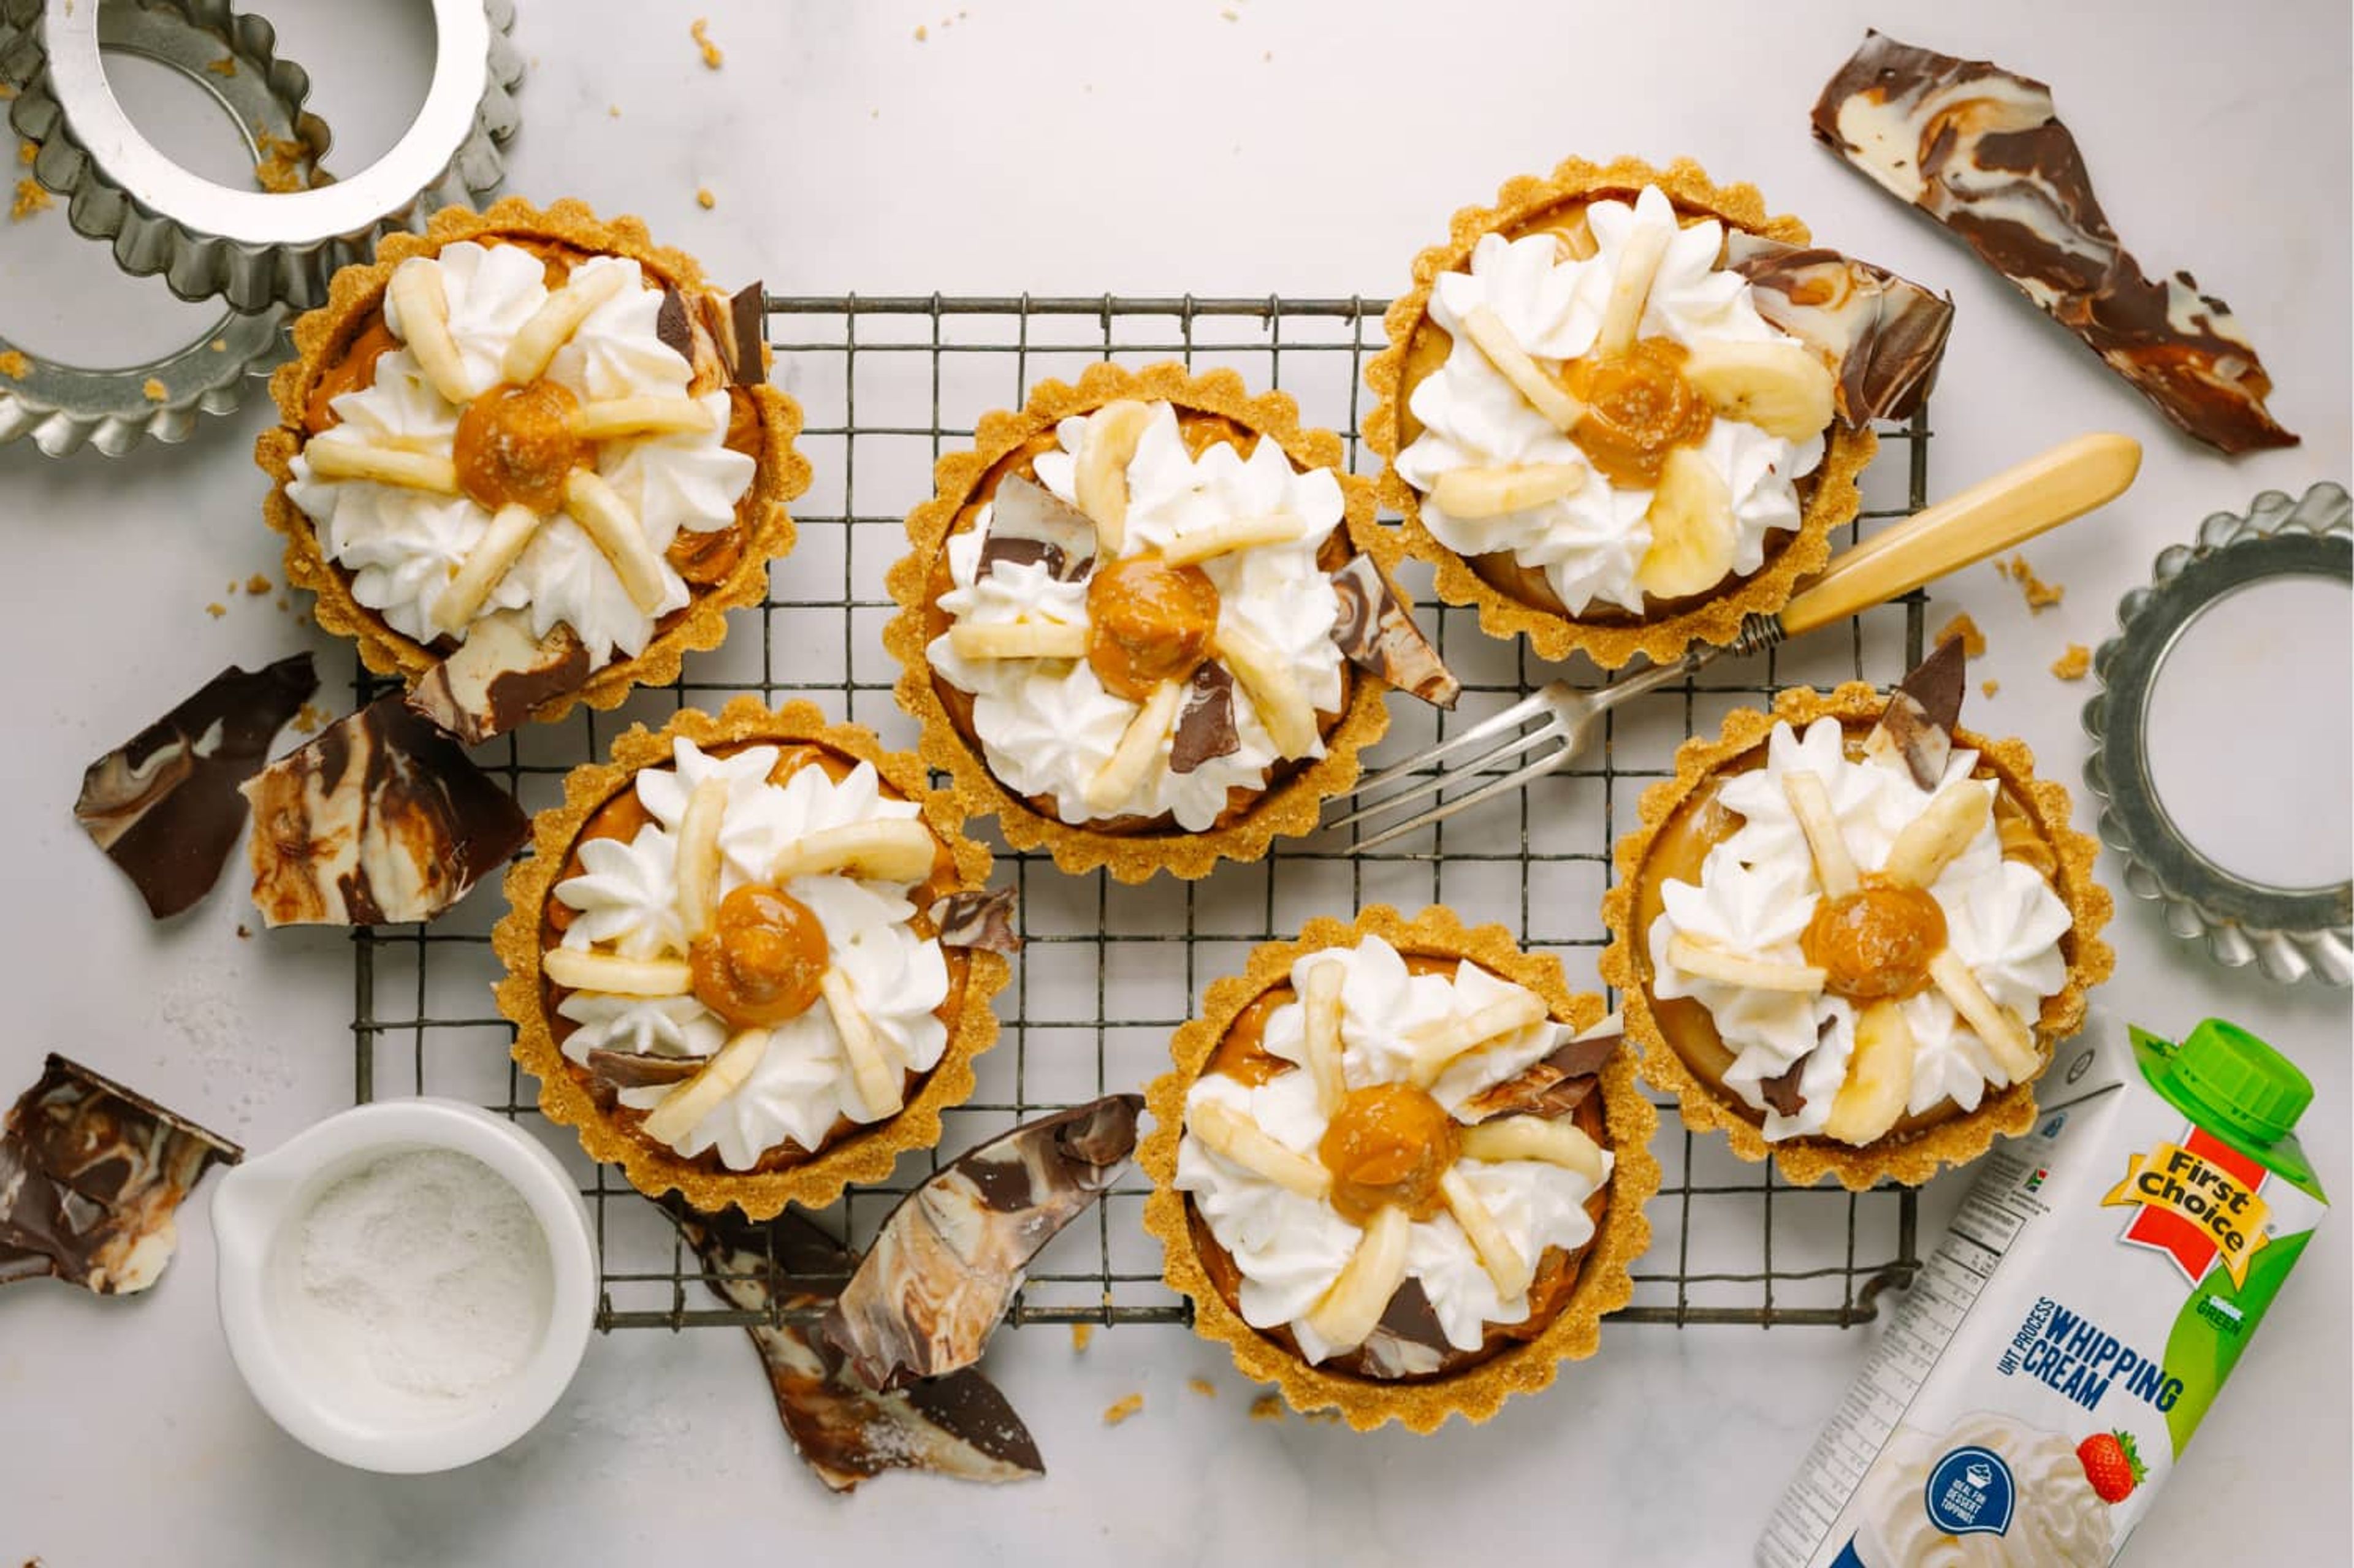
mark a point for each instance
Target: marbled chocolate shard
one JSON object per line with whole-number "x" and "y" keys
{"x": 958, "y": 1425}
{"x": 498, "y": 675}
{"x": 1376, "y": 632}
{"x": 948, "y": 1260}
{"x": 1409, "y": 1342}
{"x": 1205, "y": 720}
{"x": 378, "y": 818}
{"x": 92, "y": 1176}
{"x": 1781, "y": 1091}
{"x": 977, "y": 917}
{"x": 610, "y": 1072}
{"x": 1029, "y": 522}
{"x": 165, "y": 805}
{"x": 1981, "y": 149}
{"x": 1554, "y": 1086}
{"x": 672, "y": 325}
{"x": 1885, "y": 335}
{"x": 748, "y": 321}
{"x": 1918, "y": 723}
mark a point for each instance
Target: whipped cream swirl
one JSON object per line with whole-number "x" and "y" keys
{"x": 1589, "y": 543}
{"x": 402, "y": 547}
{"x": 1758, "y": 889}
{"x": 1290, "y": 1248}
{"x": 626, "y": 900}
{"x": 1048, "y": 726}
{"x": 2058, "y": 1519}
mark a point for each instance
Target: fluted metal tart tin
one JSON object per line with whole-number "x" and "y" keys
{"x": 2289, "y": 933}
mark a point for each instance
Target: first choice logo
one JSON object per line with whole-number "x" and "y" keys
{"x": 2198, "y": 1203}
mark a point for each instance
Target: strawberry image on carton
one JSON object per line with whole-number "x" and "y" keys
{"x": 2101, "y": 1280}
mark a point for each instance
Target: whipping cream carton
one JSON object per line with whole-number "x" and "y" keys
{"x": 2099, "y": 1284}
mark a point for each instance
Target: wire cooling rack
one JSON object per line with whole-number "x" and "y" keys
{"x": 1109, "y": 971}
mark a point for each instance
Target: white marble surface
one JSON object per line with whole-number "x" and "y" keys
{"x": 1265, "y": 146}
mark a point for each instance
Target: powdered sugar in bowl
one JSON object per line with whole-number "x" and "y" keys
{"x": 408, "y": 1286}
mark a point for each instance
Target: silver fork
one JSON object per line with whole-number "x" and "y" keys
{"x": 2012, "y": 506}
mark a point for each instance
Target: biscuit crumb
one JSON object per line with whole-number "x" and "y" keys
{"x": 1125, "y": 1408}
{"x": 1989, "y": 686}
{"x": 1267, "y": 1407}
{"x": 259, "y": 584}
{"x": 2040, "y": 596}
{"x": 2072, "y": 664}
{"x": 309, "y": 717}
{"x": 225, "y": 66}
{"x": 30, "y": 198}
{"x": 1324, "y": 1417}
{"x": 1231, "y": 16}
{"x": 27, "y": 153}
{"x": 245, "y": 932}
{"x": 1080, "y": 1334}
{"x": 220, "y": 345}
{"x": 1202, "y": 1386}
{"x": 922, "y": 33}
{"x": 14, "y": 365}
{"x": 614, "y": 110}
{"x": 701, "y": 33}
{"x": 155, "y": 391}
{"x": 703, "y": 198}
{"x": 1974, "y": 642}
{"x": 7, "y": 92}
{"x": 281, "y": 601}
{"x": 216, "y": 609}
{"x": 280, "y": 169}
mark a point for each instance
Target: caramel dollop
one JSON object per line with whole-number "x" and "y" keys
{"x": 1639, "y": 409}
{"x": 1148, "y": 623}
{"x": 761, "y": 963}
{"x": 354, "y": 370}
{"x": 516, "y": 444}
{"x": 1387, "y": 1145}
{"x": 1876, "y": 942}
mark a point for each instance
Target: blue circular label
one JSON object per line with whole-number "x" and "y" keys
{"x": 1970, "y": 1492}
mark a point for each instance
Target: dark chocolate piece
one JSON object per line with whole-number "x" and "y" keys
{"x": 1376, "y": 632}
{"x": 747, "y": 321}
{"x": 1554, "y": 1087}
{"x": 380, "y": 818}
{"x": 977, "y": 917}
{"x": 948, "y": 1260}
{"x": 1885, "y": 335}
{"x": 1028, "y": 522}
{"x": 671, "y": 325}
{"x": 92, "y": 1176}
{"x": 498, "y": 675}
{"x": 610, "y": 1072}
{"x": 1918, "y": 723}
{"x": 1205, "y": 720}
{"x": 1408, "y": 1341}
{"x": 1781, "y": 1091}
{"x": 1981, "y": 149}
{"x": 165, "y": 805}
{"x": 958, "y": 1425}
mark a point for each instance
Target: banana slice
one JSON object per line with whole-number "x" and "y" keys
{"x": 1630, "y": 290}
{"x": 463, "y": 598}
{"x": 1197, "y": 545}
{"x": 1954, "y": 816}
{"x": 417, "y": 294}
{"x": 1320, "y": 1033}
{"x": 612, "y": 417}
{"x": 1353, "y": 1306}
{"x": 1561, "y": 1143}
{"x": 1099, "y": 480}
{"x": 1469, "y": 492}
{"x": 698, "y": 854}
{"x": 619, "y": 537}
{"x": 1283, "y": 706}
{"x": 874, "y": 1072}
{"x": 1878, "y": 1077}
{"x": 1493, "y": 339}
{"x": 1811, "y": 804}
{"x": 1139, "y": 745}
{"x": 581, "y": 968}
{"x": 1018, "y": 640}
{"x": 677, "y": 1113}
{"x": 1697, "y": 958}
{"x": 891, "y": 849}
{"x": 1693, "y": 536}
{"x": 1504, "y": 1262}
{"x": 1438, "y": 1042}
{"x": 1777, "y": 385}
{"x": 385, "y": 465}
{"x": 552, "y": 326}
{"x": 2005, "y": 1036}
{"x": 1227, "y": 1132}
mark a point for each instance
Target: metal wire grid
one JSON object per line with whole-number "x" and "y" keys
{"x": 1110, "y": 970}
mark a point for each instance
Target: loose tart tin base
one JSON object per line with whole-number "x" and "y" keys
{"x": 1906, "y": 1158}
{"x": 1529, "y": 204}
{"x": 356, "y": 295}
{"x": 1477, "y": 1392}
{"x": 1004, "y": 442}
{"x": 865, "y": 1154}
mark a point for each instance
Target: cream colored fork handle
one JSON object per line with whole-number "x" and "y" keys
{"x": 1991, "y": 515}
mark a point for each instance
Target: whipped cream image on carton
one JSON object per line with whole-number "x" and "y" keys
{"x": 2058, "y": 1348}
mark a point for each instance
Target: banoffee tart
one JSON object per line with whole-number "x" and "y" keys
{"x": 751, "y": 957}
{"x": 1400, "y": 1169}
{"x": 1143, "y": 624}
{"x": 1594, "y": 426}
{"x": 1849, "y": 932}
{"x": 536, "y": 432}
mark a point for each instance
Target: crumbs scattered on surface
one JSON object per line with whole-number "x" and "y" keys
{"x": 1080, "y": 1334}
{"x": 30, "y": 198}
{"x": 244, "y": 932}
{"x": 2072, "y": 664}
{"x": 282, "y": 602}
{"x": 701, "y": 33}
{"x": 1974, "y": 642}
{"x": 155, "y": 391}
{"x": 309, "y": 718}
{"x": 225, "y": 66}
{"x": 1202, "y": 1386}
{"x": 220, "y": 345}
{"x": 27, "y": 153}
{"x": 259, "y": 584}
{"x": 1267, "y": 1407}
{"x": 922, "y": 33}
{"x": 216, "y": 609}
{"x": 1232, "y": 15}
{"x": 1125, "y": 1408}
{"x": 1324, "y": 1417}
{"x": 703, "y": 198}
{"x": 14, "y": 365}
{"x": 281, "y": 168}
{"x": 614, "y": 110}
{"x": 2040, "y": 596}
{"x": 1989, "y": 686}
